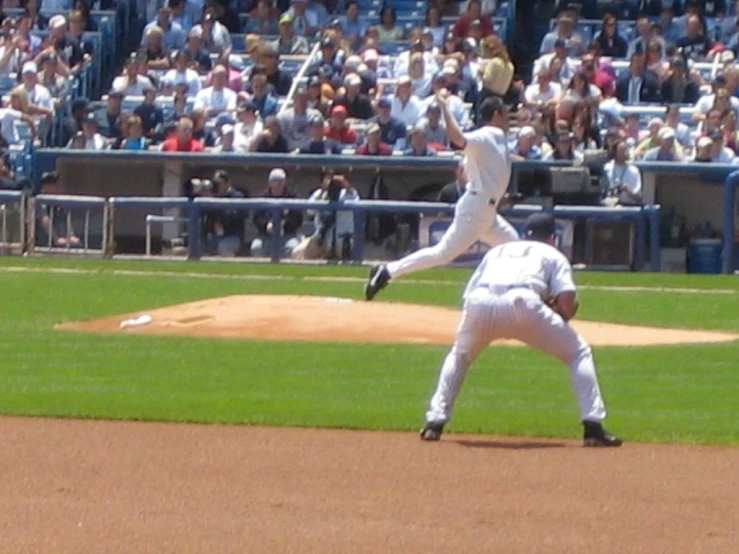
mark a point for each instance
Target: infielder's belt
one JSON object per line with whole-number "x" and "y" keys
{"x": 492, "y": 201}
{"x": 502, "y": 289}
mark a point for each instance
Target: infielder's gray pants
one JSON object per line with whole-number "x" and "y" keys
{"x": 516, "y": 314}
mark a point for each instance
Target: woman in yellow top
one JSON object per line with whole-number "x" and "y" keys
{"x": 498, "y": 73}
{"x": 387, "y": 30}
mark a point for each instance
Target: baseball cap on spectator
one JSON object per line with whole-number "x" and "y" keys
{"x": 269, "y": 49}
{"x": 326, "y": 70}
{"x": 208, "y": 17}
{"x": 655, "y": 121}
{"x": 353, "y": 62}
{"x": 236, "y": 61}
{"x": 286, "y": 18}
{"x": 404, "y": 80}
{"x": 427, "y": 31}
{"x": 438, "y": 77}
{"x": 469, "y": 44}
{"x": 666, "y": 133}
{"x": 677, "y": 61}
{"x": 450, "y": 37}
{"x": 560, "y": 43}
{"x": 57, "y": 21}
{"x": 195, "y": 32}
{"x": 704, "y": 141}
{"x": 370, "y": 55}
{"x": 29, "y": 67}
{"x": 527, "y": 131}
{"x": 327, "y": 42}
{"x": 314, "y": 81}
{"x": 373, "y": 128}
{"x": 90, "y": 118}
{"x": 316, "y": 119}
{"x": 227, "y": 129}
{"x": 339, "y": 110}
{"x": 224, "y": 119}
{"x": 413, "y": 129}
{"x": 417, "y": 45}
{"x": 352, "y": 80}
{"x": 384, "y": 102}
{"x": 334, "y": 24}
{"x": 448, "y": 70}
{"x": 277, "y": 174}
{"x": 433, "y": 106}
{"x": 726, "y": 56}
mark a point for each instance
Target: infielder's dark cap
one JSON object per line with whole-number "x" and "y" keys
{"x": 491, "y": 106}
{"x": 539, "y": 225}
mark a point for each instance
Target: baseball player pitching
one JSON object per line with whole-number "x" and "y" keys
{"x": 488, "y": 169}
{"x": 522, "y": 290}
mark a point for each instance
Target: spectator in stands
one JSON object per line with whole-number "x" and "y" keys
{"x": 473, "y": 16}
{"x": 374, "y": 146}
{"x": 111, "y": 126}
{"x": 652, "y": 140}
{"x": 564, "y": 148}
{"x": 543, "y": 91}
{"x": 264, "y": 22}
{"x": 224, "y": 229}
{"x": 644, "y": 35}
{"x": 216, "y": 98}
{"x": 93, "y": 139}
{"x": 388, "y": 30}
{"x": 265, "y": 102}
{"x": 199, "y": 59}
{"x": 352, "y": 26}
{"x": 183, "y": 140}
{"x": 358, "y": 105}
{"x": 339, "y": 130}
{"x": 406, "y": 107}
{"x": 562, "y": 65}
{"x": 420, "y": 80}
{"x": 280, "y": 80}
{"x": 68, "y": 49}
{"x": 679, "y": 86}
{"x": 330, "y": 56}
{"x": 703, "y": 150}
{"x": 130, "y": 82}
{"x": 638, "y": 84}
{"x": 719, "y": 152}
{"x": 624, "y": 179}
{"x": 720, "y": 97}
{"x": 580, "y": 90}
{"x": 418, "y": 144}
{"x": 729, "y": 129}
{"x": 172, "y": 34}
{"x": 226, "y": 141}
{"x": 392, "y": 129}
{"x": 291, "y": 219}
{"x": 435, "y": 26}
{"x": 179, "y": 15}
{"x": 609, "y": 40}
{"x": 39, "y": 97}
{"x": 318, "y": 143}
{"x": 695, "y": 45}
{"x": 216, "y": 38}
{"x": 52, "y": 229}
{"x": 271, "y": 140}
{"x": 135, "y": 139}
{"x": 151, "y": 115}
{"x": 498, "y": 73}
{"x": 682, "y": 131}
{"x": 294, "y": 120}
{"x": 452, "y": 192}
{"x": 525, "y": 147}
{"x": 586, "y": 134}
{"x": 157, "y": 56}
{"x": 672, "y": 31}
{"x": 57, "y": 85}
{"x": 565, "y": 31}
{"x": 728, "y": 27}
{"x": 434, "y": 128}
{"x": 31, "y": 43}
{"x": 181, "y": 74}
{"x": 305, "y": 22}
{"x": 289, "y": 42}
{"x": 11, "y": 55}
{"x": 666, "y": 151}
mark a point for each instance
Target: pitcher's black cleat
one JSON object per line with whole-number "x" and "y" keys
{"x": 596, "y": 435}
{"x": 432, "y": 431}
{"x": 378, "y": 280}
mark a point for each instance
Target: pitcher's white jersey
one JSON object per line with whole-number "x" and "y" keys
{"x": 487, "y": 162}
{"x": 531, "y": 264}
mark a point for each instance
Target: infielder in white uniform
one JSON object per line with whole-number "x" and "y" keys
{"x": 522, "y": 290}
{"x": 488, "y": 169}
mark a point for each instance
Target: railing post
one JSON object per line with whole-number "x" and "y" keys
{"x": 641, "y": 238}
{"x": 275, "y": 239}
{"x": 655, "y": 252}
{"x": 193, "y": 232}
{"x": 358, "y": 243}
{"x": 729, "y": 230}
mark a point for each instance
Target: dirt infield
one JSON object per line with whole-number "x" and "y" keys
{"x": 314, "y": 318}
{"x": 78, "y": 487}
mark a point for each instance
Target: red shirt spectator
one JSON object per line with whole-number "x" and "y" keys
{"x": 374, "y": 146}
{"x": 338, "y": 130}
{"x": 473, "y": 14}
{"x": 182, "y": 141}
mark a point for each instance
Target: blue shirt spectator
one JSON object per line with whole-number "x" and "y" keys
{"x": 265, "y": 102}
{"x": 174, "y": 35}
{"x": 351, "y": 25}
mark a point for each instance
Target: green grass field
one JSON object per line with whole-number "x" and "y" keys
{"x": 668, "y": 394}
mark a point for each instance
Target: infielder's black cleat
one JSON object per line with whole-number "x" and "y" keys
{"x": 432, "y": 432}
{"x": 378, "y": 280}
{"x": 596, "y": 435}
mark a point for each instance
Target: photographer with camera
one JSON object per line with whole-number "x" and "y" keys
{"x": 291, "y": 219}
{"x": 334, "y": 228}
{"x": 223, "y": 229}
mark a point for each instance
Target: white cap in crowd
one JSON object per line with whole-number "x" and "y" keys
{"x": 527, "y": 131}
{"x": 57, "y": 21}
{"x": 30, "y": 67}
{"x": 277, "y": 174}
{"x": 666, "y": 133}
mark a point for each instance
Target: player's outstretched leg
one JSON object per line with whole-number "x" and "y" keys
{"x": 379, "y": 277}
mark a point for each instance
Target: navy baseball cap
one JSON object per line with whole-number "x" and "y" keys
{"x": 539, "y": 226}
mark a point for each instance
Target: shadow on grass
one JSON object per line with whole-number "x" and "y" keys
{"x": 509, "y": 445}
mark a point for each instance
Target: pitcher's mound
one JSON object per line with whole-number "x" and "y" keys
{"x": 315, "y": 318}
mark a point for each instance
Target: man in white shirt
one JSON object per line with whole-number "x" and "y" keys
{"x": 216, "y": 38}
{"x": 624, "y": 178}
{"x": 567, "y": 68}
{"x": 456, "y": 105}
{"x": 644, "y": 36}
{"x": 407, "y": 108}
{"x": 543, "y": 92}
{"x": 523, "y": 290}
{"x": 182, "y": 74}
{"x": 216, "y": 98}
{"x": 488, "y": 168}
{"x": 93, "y": 139}
{"x": 38, "y": 95}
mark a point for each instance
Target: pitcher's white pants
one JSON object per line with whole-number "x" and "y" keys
{"x": 516, "y": 314}
{"x": 474, "y": 219}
